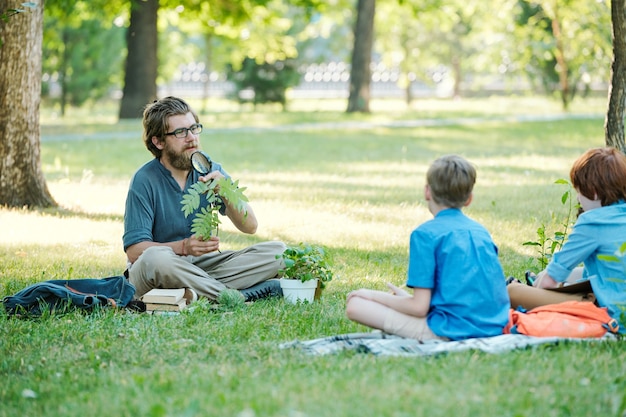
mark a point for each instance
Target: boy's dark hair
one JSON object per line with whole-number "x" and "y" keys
{"x": 600, "y": 172}
{"x": 451, "y": 179}
{"x": 155, "y": 117}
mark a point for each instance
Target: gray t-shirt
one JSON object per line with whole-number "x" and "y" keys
{"x": 153, "y": 205}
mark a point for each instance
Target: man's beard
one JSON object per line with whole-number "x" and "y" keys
{"x": 178, "y": 160}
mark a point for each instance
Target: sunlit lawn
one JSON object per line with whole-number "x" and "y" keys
{"x": 358, "y": 192}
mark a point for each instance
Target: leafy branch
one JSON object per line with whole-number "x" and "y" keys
{"x": 206, "y": 221}
{"x": 549, "y": 245}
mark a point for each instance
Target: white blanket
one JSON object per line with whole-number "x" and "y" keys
{"x": 382, "y": 344}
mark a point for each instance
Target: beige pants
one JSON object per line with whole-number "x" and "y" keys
{"x": 160, "y": 267}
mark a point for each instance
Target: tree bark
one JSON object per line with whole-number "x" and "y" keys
{"x": 22, "y": 183}
{"x": 360, "y": 72}
{"x": 457, "y": 75}
{"x": 614, "y": 122}
{"x": 206, "y": 85}
{"x": 559, "y": 55}
{"x": 141, "y": 62}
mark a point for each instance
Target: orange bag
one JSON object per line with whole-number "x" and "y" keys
{"x": 576, "y": 319}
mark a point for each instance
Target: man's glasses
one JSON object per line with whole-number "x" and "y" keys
{"x": 182, "y": 132}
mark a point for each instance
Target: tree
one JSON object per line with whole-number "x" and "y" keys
{"x": 360, "y": 71}
{"x": 404, "y": 44}
{"x": 233, "y": 33}
{"x": 83, "y": 68}
{"x": 268, "y": 81}
{"x": 141, "y": 62}
{"x": 563, "y": 42}
{"x": 21, "y": 179}
{"x": 252, "y": 34}
{"x": 218, "y": 18}
{"x": 614, "y": 122}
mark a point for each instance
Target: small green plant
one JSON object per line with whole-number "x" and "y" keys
{"x": 206, "y": 222}
{"x": 306, "y": 262}
{"x": 549, "y": 245}
{"x": 230, "y": 299}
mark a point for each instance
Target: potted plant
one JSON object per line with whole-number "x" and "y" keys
{"x": 306, "y": 272}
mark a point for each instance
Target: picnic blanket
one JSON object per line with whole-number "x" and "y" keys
{"x": 382, "y": 344}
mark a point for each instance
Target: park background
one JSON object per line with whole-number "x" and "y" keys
{"x": 349, "y": 180}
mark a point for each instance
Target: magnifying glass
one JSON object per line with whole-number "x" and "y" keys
{"x": 201, "y": 162}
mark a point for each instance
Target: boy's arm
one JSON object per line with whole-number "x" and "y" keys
{"x": 416, "y": 305}
{"x": 419, "y": 304}
{"x": 544, "y": 280}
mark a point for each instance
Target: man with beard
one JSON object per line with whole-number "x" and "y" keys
{"x": 161, "y": 251}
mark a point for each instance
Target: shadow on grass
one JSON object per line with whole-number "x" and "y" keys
{"x": 61, "y": 212}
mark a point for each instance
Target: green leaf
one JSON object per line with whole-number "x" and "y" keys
{"x": 205, "y": 223}
{"x": 609, "y": 258}
{"x": 190, "y": 201}
{"x": 231, "y": 191}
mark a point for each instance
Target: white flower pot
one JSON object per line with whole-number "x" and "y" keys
{"x": 295, "y": 291}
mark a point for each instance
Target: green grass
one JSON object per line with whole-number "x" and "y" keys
{"x": 356, "y": 191}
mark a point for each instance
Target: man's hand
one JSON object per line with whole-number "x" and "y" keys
{"x": 214, "y": 175}
{"x": 197, "y": 247}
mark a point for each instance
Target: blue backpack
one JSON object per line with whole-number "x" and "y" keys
{"x": 84, "y": 293}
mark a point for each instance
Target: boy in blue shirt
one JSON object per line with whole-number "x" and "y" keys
{"x": 459, "y": 288}
{"x": 596, "y": 240}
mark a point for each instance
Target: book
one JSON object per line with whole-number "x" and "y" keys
{"x": 577, "y": 287}
{"x": 164, "y": 296}
{"x": 181, "y": 305}
{"x": 162, "y": 313}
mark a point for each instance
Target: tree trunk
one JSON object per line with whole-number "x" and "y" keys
{"x": 457, "y": 75}
{"x": 142, "y": 61}
{"x": 63, "y": 69}
{"x": 208, "y": 59}
{"x": 360, "y": 72}
{"x": 21, "y": 179}
{"x": 614, "y": 122}
{"x": 563, "y": 69}
{"x": 408, "y": 94}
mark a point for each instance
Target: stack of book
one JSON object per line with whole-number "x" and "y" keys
{"x": 165, "y": 299}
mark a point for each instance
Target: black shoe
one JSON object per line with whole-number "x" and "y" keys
{"x": 137, "y": 306}
{"x": 510, "y": 280}
{"x": 269, "y": 288}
